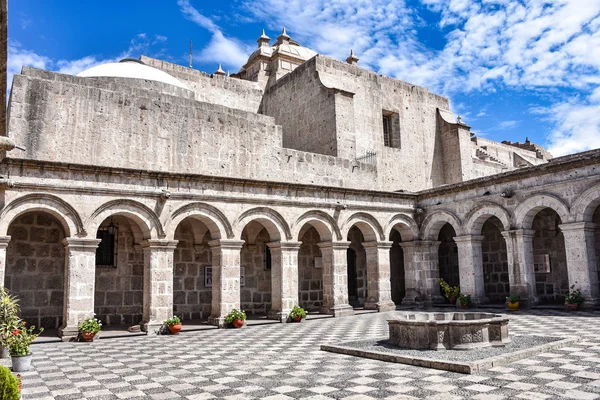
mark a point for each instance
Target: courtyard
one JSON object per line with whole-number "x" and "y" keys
{"x": 282, "y": 361}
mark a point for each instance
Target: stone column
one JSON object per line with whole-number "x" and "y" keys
{"x": 225, "y": 279}
{"x": 79, "y": 284}
{"x": 581, "y": 260}
{"x": 158, "y": 282}
{"x": 521, "y": 275}
{"x": 335, "y": 278}
{"x": 470, "y": 267}
{"x": 284, "y": 278}
{"x": 4, "y": 240}
{"x": 421, "y": 269}
{"x": 379, "y": 286}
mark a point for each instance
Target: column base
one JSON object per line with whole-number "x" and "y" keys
{"x": 217, "y": 321}
{"x": 151, "y": 327}
{"x": 281, "y": 316}
{"x": 381, "y": 306}
{"x": 342, "y": 310}
{"x": 68, "y": 333}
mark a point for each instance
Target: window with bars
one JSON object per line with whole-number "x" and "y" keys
{"x": 391, "y": 129}
{"x": 106, "y": 253}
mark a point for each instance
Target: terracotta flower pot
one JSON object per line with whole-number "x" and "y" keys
{"x": 238, "y": 323}
{"x": 452, "y": 300}
{"x": 571, "y": 306}
{"x": 513, "y": 306}
{"x": 174, "y": 329}
{"x": 297, "y": 319}
{"x": 88, "y": 336}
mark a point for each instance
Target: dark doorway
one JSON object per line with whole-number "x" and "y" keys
{"x": 352, "y": 286}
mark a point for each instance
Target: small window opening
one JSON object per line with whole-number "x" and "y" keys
{"x": 391, "y": 129}
{"x": 106, "y": 253}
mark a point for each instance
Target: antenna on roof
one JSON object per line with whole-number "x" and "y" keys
{"x": 191, "y": 51}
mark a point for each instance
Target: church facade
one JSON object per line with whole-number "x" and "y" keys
{"x": 144, "y": 189}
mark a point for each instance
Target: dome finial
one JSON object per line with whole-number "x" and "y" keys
{"x": 219, "y": 71}
{"x": 284, "y": 37}
{"x": 352, "y": 60}
{"x": 263, "y": 40}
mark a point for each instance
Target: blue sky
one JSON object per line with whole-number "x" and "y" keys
{"x": 510, "y": 68}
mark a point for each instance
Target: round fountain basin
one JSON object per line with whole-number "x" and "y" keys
{"x": 448, "y": 331}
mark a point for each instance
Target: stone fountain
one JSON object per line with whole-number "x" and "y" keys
{"x": 449, "y": 331}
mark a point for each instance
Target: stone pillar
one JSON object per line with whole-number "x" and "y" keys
{"x": 379, "y": 286}
{"x": 470, "y": 267}
{"x": 158, "y": 282}
{"x": 421, "y": 269}
{"x": 225, "y": 279}
{"x": 581, "y": 260}
{"x": 4, "y": 240}
{"x": 79, "y": 284}
{"x": 521, "y": 275}
{"x": 284, "y": 278}
{"x": 335, "y": 278}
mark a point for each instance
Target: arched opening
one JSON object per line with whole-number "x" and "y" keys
{"x": 397, "y": 268}
{"x": 310, "y": 270}
{"x": 448, "y": 256}
{"x": 192, "y": 272}
{"x": 550, "y": 263}
{"x": 35, "y": 268}
{"x": 255, "y": 272}
{"x": 357, "y": 268}
{"x": 495, "y": 261}
{"x": 119, "y": 288}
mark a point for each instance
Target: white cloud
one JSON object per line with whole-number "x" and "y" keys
{"x": 538, "y": 45}
{"x": 230, "y": 52}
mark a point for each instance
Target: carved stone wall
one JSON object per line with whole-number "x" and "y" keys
{"x": 310, "y": 278}
{"x": 495, "y": 264}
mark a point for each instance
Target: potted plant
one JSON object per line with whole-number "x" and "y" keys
{"x": 9, "y": 319}
{"x": 450, "y": 292}
{"x": 174, "y": 325}
{"x": 297, "y": 314}
{"x": 465, "y": 301}
{"x": 236, "y": 318}
{"x": 88, "y": 328}
{"x": 18, "y": 344}
{"x": 513, "y": 302}
{"x": 10, "y": 386}
{"x": 574, "y": 300}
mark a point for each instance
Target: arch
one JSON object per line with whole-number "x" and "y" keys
{"x": 482, "y": 212}
{"x": 67, "y": 215}
{"x": 585, "y": 205}
{"x": 405, "y": 225}
{"x": 436, "y": 220}
{"x": 526, "y": 211}
{"x": 145, "y": 218}
{"x": 212, "y": 217}
{"x": 324, "y": 223}
{"x": 368, "y": 225}
{"x": 272, "y": 221}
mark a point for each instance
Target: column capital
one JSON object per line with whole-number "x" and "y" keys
{"x": 4, "y": 240}
{"x": 284, "y": 245}
{"x": 378, "y": 245}
{"x": 159, "y": 244}
{"x": 334, "y": 245}
{"x": 226, "y": 244}
{"x": 81, "y": 244}
{"x": 524, "y": 233}
{"x": 468, "y": 239}
{"x": 578, "y": 226}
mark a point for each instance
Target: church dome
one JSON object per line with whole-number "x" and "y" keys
{"x": 297, "y": 51}
{"x": 131, "y": 68}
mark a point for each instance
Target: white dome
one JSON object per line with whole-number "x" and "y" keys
{"x": 129, "y": 68}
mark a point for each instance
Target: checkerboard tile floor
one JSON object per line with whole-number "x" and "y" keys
{"x": 283, "y": 361}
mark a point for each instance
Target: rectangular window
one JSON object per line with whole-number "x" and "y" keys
{"x": 391, "y": 129}
{"x": 106, "y": 253}
{"x": 267, "y": 258}
{"x": 541, "y": 263}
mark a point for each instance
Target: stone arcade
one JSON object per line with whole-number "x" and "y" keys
{"x": 147, "y": 189}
